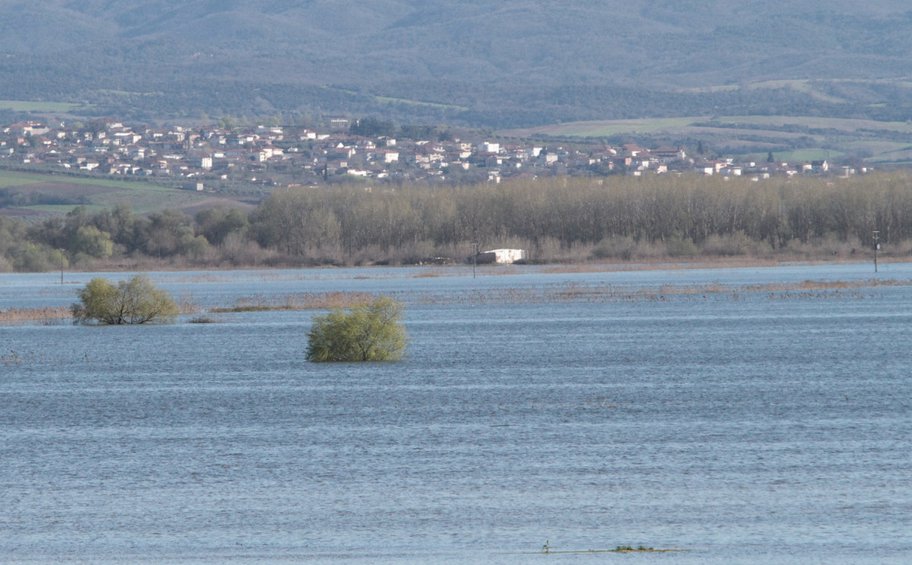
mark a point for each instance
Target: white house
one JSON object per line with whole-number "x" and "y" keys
{"x": 490, "y": 147}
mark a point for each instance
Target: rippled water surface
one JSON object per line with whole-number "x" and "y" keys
{"x": 764, "y": 422}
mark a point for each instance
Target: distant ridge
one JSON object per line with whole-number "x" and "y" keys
{"x": 509, "y": 63}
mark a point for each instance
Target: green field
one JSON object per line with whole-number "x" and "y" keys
{"x": 17, "y": 178}
{"x": 141, "y": 196}
{"x": 9, "y": 178}
{"x": 606, "y": 128}
{"x": 36, "y": 106}
{"x": 60, "y": 209}
{"x": 799, "y": 155}
{"x": 846, "y": 125}
{"x": 407, "y": 102}
{"x": 792, "y": 138}
{"x": 814, "y": 88}
{"x": 671, "y": 125}
{"x": 403, "y": 101}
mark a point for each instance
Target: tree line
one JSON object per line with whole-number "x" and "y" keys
{"x": 553, "y": 219}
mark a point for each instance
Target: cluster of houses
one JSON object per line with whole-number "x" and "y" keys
{"x": 209, "y": 158}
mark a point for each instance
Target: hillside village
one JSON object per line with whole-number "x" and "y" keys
{"x": 217, "y": 158}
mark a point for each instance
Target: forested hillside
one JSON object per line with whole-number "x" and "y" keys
{"x": 509, "y": 63}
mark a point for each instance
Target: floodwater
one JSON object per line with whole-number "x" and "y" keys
{"x": 766, "y": 422}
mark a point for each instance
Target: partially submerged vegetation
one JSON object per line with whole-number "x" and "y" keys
{"x": 131, "y": 302}
{"x": 32, "y": 315}
{"x": 300, "y": 301}
{"x": 567, "y": 292}
{"x": 608, "y": 293}
{"x": 371, "y": 332}
{"x": 631, "y": 549}
{"x": 548, "y": 549}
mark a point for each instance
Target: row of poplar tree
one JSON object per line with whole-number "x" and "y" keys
{"x": 553, "y": 219}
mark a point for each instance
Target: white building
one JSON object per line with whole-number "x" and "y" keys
{"x": 490, "y": 147}
{"x": 502, "y": 256}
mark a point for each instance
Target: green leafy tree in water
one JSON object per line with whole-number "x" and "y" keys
{"x": 136, "y": 301}
{"x": 371, "y": 332}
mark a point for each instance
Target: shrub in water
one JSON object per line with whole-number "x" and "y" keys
{"x": 135, "y": 301}
{"x": 371, "y": 332}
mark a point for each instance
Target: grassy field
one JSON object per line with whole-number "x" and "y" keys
{"x": 143, "y": 197}
{"x": 670, "y": 125}
{"x": 847, "y": 125}
{"x": 404, "y": 101}
{"x": 815, "y": 88}
{"x": 35, "y": 106}
{"x": 59, "y": 209}
{"x": 799, "y": 155}
{"x": 407, "y": 102}
{"x": 607, "y": 128}
{"x": 16, "y": 178}
{"x": 10, "y": 178}
{"x": 793, "y": 138}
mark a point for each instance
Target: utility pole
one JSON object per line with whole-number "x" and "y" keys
{"x": 876, "y": 247}
{"x": 474, "y": 257}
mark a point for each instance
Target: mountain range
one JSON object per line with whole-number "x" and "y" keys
{"x": 484, "y": 64}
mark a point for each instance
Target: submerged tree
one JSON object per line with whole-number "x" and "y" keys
{"x": 371, "y": 332}
{"x": 136, "y": 301}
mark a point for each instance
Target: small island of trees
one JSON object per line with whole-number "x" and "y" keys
{"x": 135, "y": 301}
{"x": 369, "y": 332}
